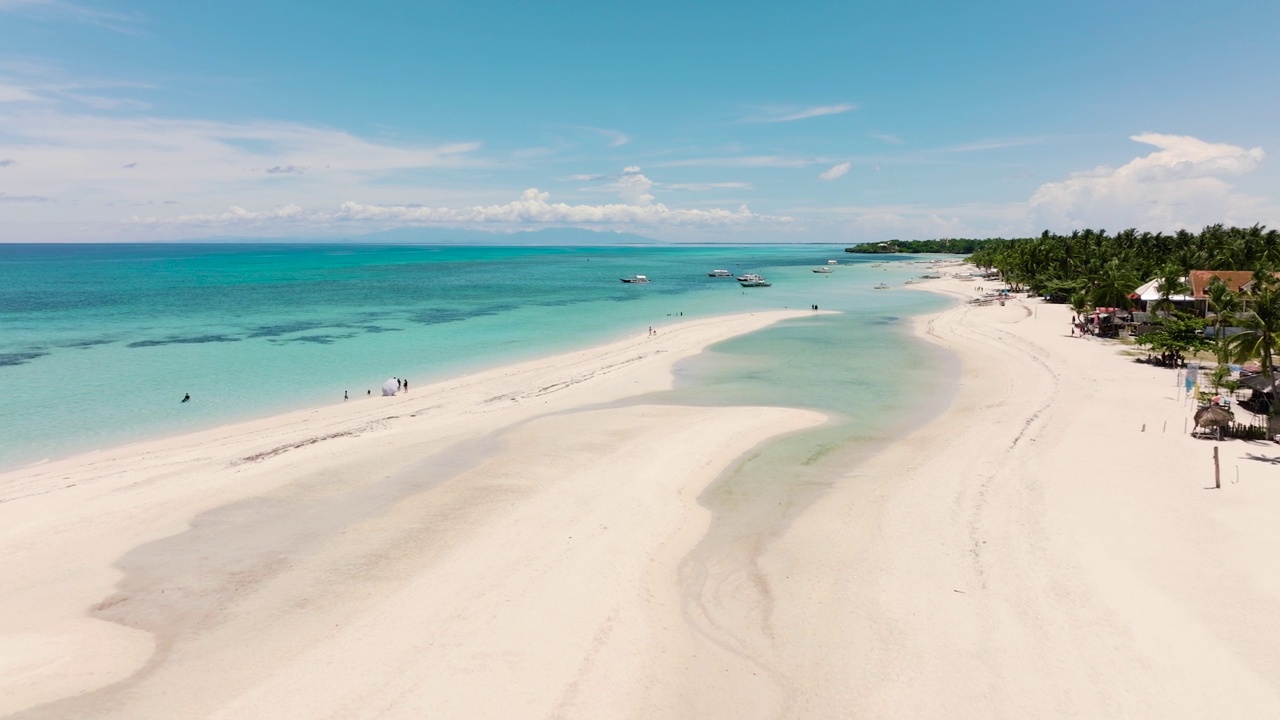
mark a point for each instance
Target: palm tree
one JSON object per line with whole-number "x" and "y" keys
{"x": 1171, "y": 282}
{"x": 1225, "y": 305}
{"x": 1112, "y": 284}
{"x": 1261, "y": 327}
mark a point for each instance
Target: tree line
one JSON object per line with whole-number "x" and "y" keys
{"x": 1091, "y": 269}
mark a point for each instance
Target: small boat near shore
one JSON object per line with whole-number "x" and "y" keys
{"x": 637, "y": 279}
{"x": 753, "y": 280}
{"x": 881, "y": 286}
{"x": 822, "y": 270}
{"x": 833, "y": 262}
{"x": 719, "y": 273}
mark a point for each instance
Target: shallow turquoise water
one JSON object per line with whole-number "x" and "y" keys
{"x": 98, "y": 343}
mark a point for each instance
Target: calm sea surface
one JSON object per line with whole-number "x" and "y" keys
{"x": 98, "y": 343}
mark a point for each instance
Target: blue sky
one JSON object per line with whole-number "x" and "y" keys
{"x": 803, "y": 121}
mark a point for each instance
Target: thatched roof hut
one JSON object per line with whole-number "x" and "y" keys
{"x": 1214, "y": 416}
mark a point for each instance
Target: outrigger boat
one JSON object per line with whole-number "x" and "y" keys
{"x": 636, "y": 279}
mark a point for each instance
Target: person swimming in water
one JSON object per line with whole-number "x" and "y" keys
{"x": 186, "y": 397}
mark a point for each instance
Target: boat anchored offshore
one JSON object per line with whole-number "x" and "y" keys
{"x": 636, "y": 279}
{"x": 719, "y": 273}
{"x": 753, "y": 280}
{"x": 881, "y": 286}
{"x": 833, "y": 262}
{"x": 823, "y": 270}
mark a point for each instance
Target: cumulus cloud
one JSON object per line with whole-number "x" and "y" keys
{"x": 532, "y": 208}
{"x": 835, "y": 171}
{"x": 634, "y": 187}
{"x": 1179, "y": 185}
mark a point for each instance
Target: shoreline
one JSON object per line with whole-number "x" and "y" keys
{"x": 1041, "y": 549}
{"x": 102, "y": 608}
{"x": 1035, "y": 549}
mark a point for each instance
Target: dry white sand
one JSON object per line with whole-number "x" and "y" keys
{"x": 1034, "y": 552}
{"x": 526, "y": 544}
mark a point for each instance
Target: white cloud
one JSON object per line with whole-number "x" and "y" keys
{"x": 886, "y": 138}
{"x": 533, "y": 208}
{"x": 63, "y": 9}
{"x": 633, "y": 187}
{"x": 698, "y": 187}
{"x": 995, "y": 144}
{"x": 16, "y": 94}
{"x": 770, "y": 161}
{"x": 130, "y": 160}
{"x": 835, "y": 171}
{"x": 1180, "y": 185}
{"x": 791, "y": 114}
{"x": 616, "y": 138}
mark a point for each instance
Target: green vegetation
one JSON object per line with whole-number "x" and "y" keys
{"x": 1261, "y": 326}
{"x": 1058, "y": 265}
{"x": 1177, "y": 334}
{"x": 955, "y": 246}
{"x": 1091, "y": 268}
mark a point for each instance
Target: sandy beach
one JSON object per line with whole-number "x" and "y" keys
{"x": 528, "y": 542}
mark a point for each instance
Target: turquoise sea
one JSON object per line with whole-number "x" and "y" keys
{"x": 98, "y": 343}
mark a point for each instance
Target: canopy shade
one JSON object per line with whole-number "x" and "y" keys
{"x": 1214, "y": 416}
{"x": 390, "y": 387}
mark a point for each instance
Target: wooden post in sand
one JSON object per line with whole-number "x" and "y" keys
{"x": 1217, "y": 476}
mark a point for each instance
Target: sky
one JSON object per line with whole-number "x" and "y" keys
{"x": 805, "y": 121}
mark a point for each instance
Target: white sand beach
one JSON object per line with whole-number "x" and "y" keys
{"x": 526, "y": 543}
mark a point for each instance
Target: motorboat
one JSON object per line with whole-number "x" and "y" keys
{"x": 823, "y": 270}
{"x": 833, "y": 262}
{"x": 719, "y": 273}
{"x": 881, "y": 286}
{"x": 754, "y": 280}
{"x": 636, "y": 279}
{"x": 749, "y": 277}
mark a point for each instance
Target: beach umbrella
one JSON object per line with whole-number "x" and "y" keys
{"x": 1214, "y": 416}
{"x": 390, "y": 387}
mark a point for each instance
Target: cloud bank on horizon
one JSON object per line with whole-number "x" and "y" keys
{"x": 93, "y": 147}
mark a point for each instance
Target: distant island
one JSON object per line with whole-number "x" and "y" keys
{"x": 954, "y": 246}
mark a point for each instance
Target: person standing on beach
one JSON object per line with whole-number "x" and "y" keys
{"x": 344, "y": 395}
{"x": 406, "y": 385}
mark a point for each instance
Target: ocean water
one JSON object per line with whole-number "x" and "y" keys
{"x": 98, "y": 343}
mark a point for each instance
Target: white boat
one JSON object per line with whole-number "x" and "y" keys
{"x": 823, "y": 270}
{"x": 881, "y": 286}
{"x": 636, "y": 279}
{"x": 833, "y": 262}
{"x": 749, "y": 277}
{"x": 719, "y": 273}
{"x": 753, "y": 280}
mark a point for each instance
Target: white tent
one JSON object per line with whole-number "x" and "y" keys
{"x": 1149, "y": 292}
{"x": 390, "y": 387}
